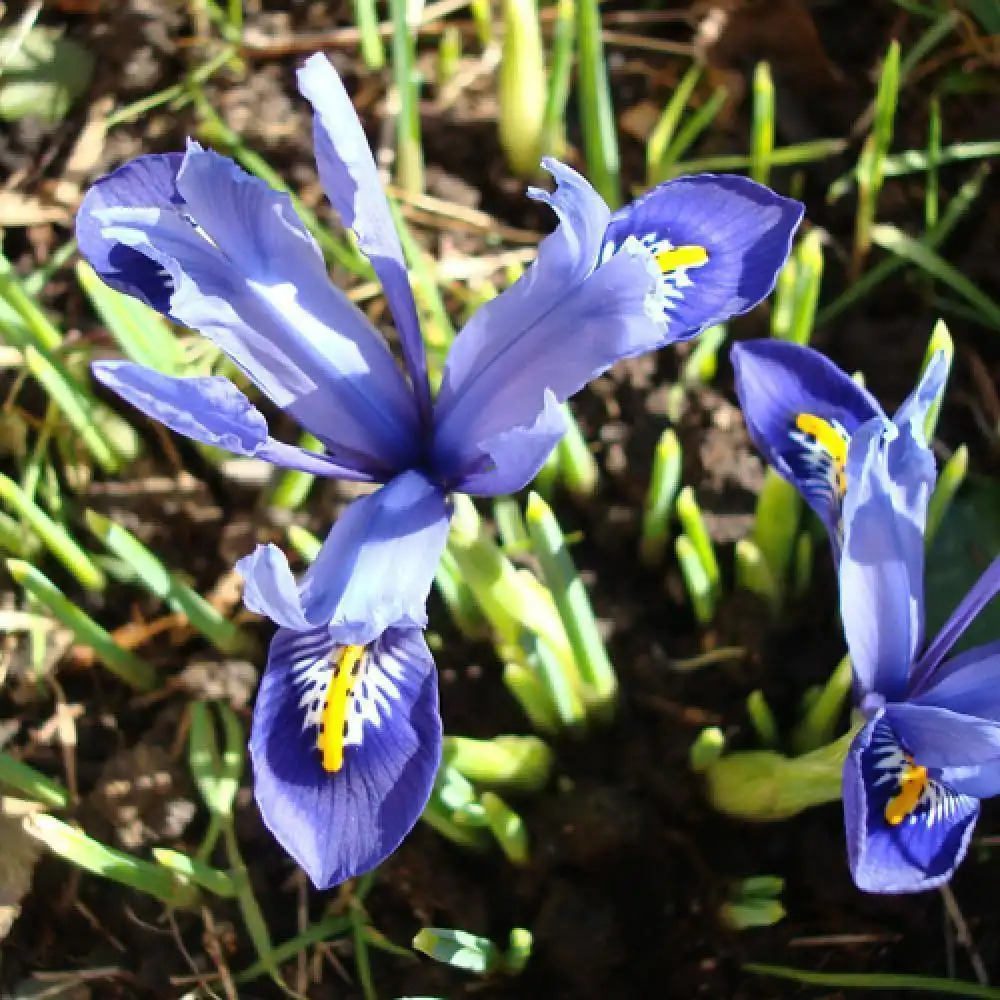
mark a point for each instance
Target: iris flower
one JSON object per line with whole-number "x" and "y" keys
{"x": 346, "y": 735}
{"x": 930, "y": 746}
{"x": 802, "y": 411}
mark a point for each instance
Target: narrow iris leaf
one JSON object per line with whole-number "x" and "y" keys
{"x": 664, "y": 485}
{"x": 574, "y": 606}
{"x": 920, "y": 253}
{"x": 600, "y": 135}
{"x": 762, "y": 125}
{"x": 204, "y": 618}
{"x": 125, "y": 665}
{"x": 75, "y": 846}
{"x": 55, "y": 537}
{"x": 25, "y": 779}
{"x": 878, "y": 981}
{"x": 663, "y": 133}
{"x": 507, "y": 827}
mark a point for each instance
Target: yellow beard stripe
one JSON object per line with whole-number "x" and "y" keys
{"x": 829, "y": 440}
{"x": 338, "y": 695}
{"x": 690, "y": 256}
{"x": 912, "y": 783}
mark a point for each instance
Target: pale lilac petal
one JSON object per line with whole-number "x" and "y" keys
{"x": 913, "y": 412}
{"x": 350, "y": 179}
{"x": 147, "y": 182}
{"x": 213, "y": 411}
{"x": 937, "y": 737}
{"x": 881, "y": 572}
{"x": 513, "y": 458}
{"x": 557, "y": 328}
{"x": 565, "y": 259}
{"x": 270, "y": 589}
{"x": 968, "y": 683}
{"x": 981, "y": 781}
{"x": 227, "y": 255}
{"x": 912, "y": 471}
{"x": 984, "y": 590}
{"x": 374, "y": 569}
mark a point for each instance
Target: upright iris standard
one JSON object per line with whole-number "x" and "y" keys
{"x": 346, "y": 736}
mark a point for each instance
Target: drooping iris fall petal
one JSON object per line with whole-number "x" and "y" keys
{"x": 718, "y": 242}
{"x": 907, "y": 830}
{"x": 345, "y": 744}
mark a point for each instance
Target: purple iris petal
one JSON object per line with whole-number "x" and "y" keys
{"x": 981, "y": 781}
{"x": 881, "y": 572}
{"x": 968, "y": 683}
{"x": 347, "y": 172}
{"x": 242, "y": 269}
{"x": 213, "y": 411}
{"x": 983, "y": 591}
{"x": 739, "y": 232}
{"x": 553, "y": 331}
{"x": 338, "y": 824}
{"x": 375, "y": 568}
{"x": 930, "y": 835}
{"x": 270, "y": 588}
{"x": 913, "y": 412}
{"x": 149, "y": 182}
{"x": 911, "y": 465}
{"x": 513, "y": 458}
{"x": 939, "y": 737}
{"x": 784, "y": 390}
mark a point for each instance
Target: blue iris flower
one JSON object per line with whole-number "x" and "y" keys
{"x": 802, "y": 412}
{"x": 346, "y": 735}
{"x": 930, "y": 746}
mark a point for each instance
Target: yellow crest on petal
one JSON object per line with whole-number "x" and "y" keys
{"x": 333, "y": 721}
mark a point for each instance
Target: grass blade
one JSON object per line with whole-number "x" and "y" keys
{"x": 202, "y": 616}
{"x": 125, "y": 665}
{"x": 902, "y": 245}
{"x": 55, "y": 537}
{"x": 366, "y": 18}
{"x": 18, "y": 775}
{"x": 85, "y": 414}
{"x": 409, "y": 149}
{"x": 600, "y": 135}
{"x": 75, "y": 846}
{"x": 560, "y": 78}
{"x": 688, "y": 134}
{"x": 870, "y": 170}
{"x": 879, "y": 981}
{"x": 662, "y": 135}
{"x": 573, "y": 604}
{"x": 762, "y": 127}
{"x": 953, "y": 213}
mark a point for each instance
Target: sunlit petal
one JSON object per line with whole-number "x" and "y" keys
{"x": 345, "y": 745}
